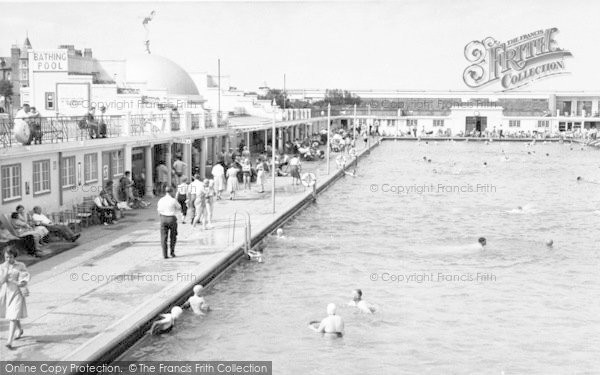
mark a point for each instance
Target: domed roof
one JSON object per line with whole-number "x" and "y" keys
{"x": 159, "y": 73}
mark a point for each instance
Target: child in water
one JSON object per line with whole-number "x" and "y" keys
{"x": 167, "y": 321}
{"x": 196, "y": 302}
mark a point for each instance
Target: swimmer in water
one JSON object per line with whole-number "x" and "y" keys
{"x": 196, "y": 302}
{"x": 482, "y": 241}
{"x": 549, "y": 243}
{"x": 429, "y": 160}
{"x": 256, "y": 253}
{"x": 360, "y": 303}
{"x": 279, "y": 232}
{"x": 333, "y": 324}
{"x": 485, "y": 163}
{"x": 167, "y": 321}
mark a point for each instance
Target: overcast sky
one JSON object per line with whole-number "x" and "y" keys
{"x": 356, "y": 45}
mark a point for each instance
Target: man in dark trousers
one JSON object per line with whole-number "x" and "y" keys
{"x": 168, "y": 208}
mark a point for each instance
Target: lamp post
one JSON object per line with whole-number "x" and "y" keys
{"x": 369, "y": 127}
{"x": 354, "y": 126}
{"x": 328, "y": 133}
{"x": 273, "y": 161}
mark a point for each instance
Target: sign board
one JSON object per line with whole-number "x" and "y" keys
{"x": 72, "y": 99}
{"x": 55, "y": 60}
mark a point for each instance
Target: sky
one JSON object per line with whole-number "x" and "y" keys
{"x": 379, "y": 45}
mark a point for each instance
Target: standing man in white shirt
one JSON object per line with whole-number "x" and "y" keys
{"x": 168, "y": 208}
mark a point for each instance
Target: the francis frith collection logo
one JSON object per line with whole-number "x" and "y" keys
{"x": 514, "y": 63}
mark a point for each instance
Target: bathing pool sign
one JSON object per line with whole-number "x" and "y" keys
{"x": 514, "y": 63}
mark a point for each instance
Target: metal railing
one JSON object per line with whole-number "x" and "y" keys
{"x": 62, "y": 129}
{"x": 195, "y": 119}
{"x": 147, "y": 124}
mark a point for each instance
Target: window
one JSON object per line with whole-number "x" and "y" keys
{"x": 90, "y": 167}
{"x": 411, "y": 122}
{"x": 41, "y": 177}
{"x": 438, "y": 122}
{"x": 49, "y": 100}
{"x": 543, "y": 123}
{"x": 68, "y": 172}
{"x": 118, "y": 163}
{"x": 11, "y": 182}
{"x": 514, "y": 123}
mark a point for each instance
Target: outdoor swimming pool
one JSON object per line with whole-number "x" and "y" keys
{"x": 519, "y": 307}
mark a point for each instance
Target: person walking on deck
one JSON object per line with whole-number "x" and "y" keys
{"x": 168, "y": 208}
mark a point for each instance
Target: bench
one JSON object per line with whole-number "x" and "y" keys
{"x": 8, "y": 225}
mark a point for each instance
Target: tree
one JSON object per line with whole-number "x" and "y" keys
{"x": 280, "y": 96}
{"x": 338, "y": 97}
{"x": 6, "y": 91}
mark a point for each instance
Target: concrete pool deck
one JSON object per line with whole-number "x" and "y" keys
{"x": 91, "y": 302}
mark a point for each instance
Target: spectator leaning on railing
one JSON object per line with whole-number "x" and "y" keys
{"x": 35, "y": 124}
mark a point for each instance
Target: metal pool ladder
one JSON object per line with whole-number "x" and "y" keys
{"x": 247, "y": 229}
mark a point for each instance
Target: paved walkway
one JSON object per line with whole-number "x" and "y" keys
{"x": 84, "y": 299}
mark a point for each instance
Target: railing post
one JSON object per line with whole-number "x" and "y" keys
{"x": 167, "y": 122}
{"x": 185, "y": 124}
{"x": 202, "y": 120}
{"x": 126, "y": 128}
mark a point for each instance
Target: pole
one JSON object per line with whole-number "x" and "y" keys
{"x": 284, "y": 91}
{"x": 354, "y": 126}
{"x": 369, "y": 127}
{"x": 328, "y": 133}
{"x": 273, "y": 164}
{"x": 219, "y": 84}
{"x": 397, "y": 125}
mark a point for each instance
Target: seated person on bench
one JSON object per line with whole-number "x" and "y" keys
{"x": 108, "y": 213}
{"x": 27, "y": 242}
{"x": 23, "y": 229}
{"x": 62, "y": 230}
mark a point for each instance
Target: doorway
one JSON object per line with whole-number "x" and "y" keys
{"x": 477, "y": 123}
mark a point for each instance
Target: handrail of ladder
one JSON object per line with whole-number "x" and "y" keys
{"x": 247, "y": 229}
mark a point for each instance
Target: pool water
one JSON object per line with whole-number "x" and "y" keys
{"x": 443, "y": 307}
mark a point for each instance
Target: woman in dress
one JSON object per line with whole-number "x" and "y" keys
{"x": 210, "y": 202}
{"x": 232, "y": 182}
{"x": 260, "y": 175}
{"x": 13, "y": 290}
{"x": 295, "y": 169}
{"x": 247, "y": 170}
{"x": 218, "y": 173}
{"x": 200, "y": 206}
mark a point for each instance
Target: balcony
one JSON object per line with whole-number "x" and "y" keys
{"x": 49, "y": 130}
